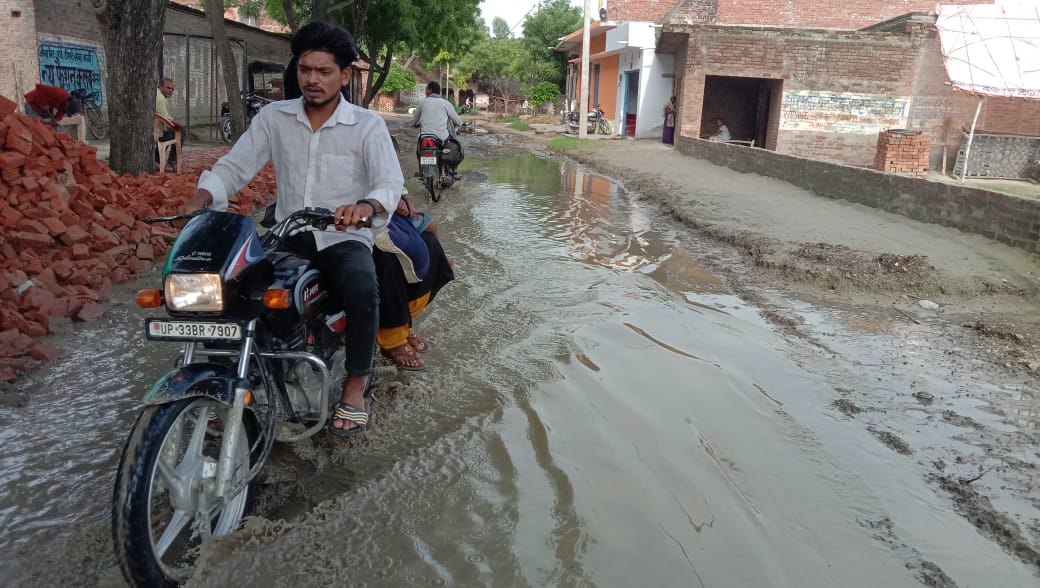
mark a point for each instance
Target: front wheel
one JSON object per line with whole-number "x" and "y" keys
{"x": 225, "y": 129}
{"x": 604, "y": 126}
{"x": 164, "y": 507}
{"x": 96, "y": 123}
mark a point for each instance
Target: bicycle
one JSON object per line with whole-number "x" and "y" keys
{"x": 97, "y": 123}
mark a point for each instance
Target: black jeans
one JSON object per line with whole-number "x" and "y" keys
{"x": 350, "y": 276}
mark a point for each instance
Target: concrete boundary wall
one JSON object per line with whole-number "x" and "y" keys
{"x": 1012, "y": 220}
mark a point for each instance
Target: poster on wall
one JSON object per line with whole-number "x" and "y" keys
{"x": 71, "y": 67}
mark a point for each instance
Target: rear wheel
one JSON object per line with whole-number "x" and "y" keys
{"x": 163, "y": 504}
{"x": 96, "y": 123}
{"x": 433, "y": 188}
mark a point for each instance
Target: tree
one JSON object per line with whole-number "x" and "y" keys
{"x": 500, "y": 28}
{"x": 221, "y": 44}
{"x": 131, "y": 32}
{"x": 495, "y": 63}
{"x": 383, "y": 27}
{"x": 398, "y": 79}
{"x": 542, "y": 31}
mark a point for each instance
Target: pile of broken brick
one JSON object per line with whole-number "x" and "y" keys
{"x": 70, "y": 228}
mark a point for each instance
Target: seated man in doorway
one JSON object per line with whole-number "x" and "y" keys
{"x": 721, "y": 132}
{"x": 166, "y": 127}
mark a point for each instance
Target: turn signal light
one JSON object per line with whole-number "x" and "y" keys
{"x": 276, "y": 298}
{"x": 149, "y": 298}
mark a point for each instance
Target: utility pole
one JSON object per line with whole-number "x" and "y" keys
{"x": 583, "y": 110}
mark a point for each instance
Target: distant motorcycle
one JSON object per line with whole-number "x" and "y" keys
{"x": 438, "y": 161}
{"x": 595, "y": 120}
{"x": 251, "y": 102}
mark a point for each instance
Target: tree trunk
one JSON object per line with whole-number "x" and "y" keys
{"x": 215, "y": 18}
{"x": 376, "y": 80}
{"x": 320, "y": 11}
{"x": 131, "y": 31}
{"x": 290, "y": 15}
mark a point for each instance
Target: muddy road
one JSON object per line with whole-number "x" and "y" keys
{"x": 612, "y": 399}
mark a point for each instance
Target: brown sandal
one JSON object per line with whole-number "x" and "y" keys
{"x": 417, "y": 342}
{"x": 404, "y": 357}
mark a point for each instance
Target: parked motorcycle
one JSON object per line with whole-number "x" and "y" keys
{"x": 595, "y": 119}
{"x": 437, "y": 163}
{"x": 251, "y": 103}
{"x": 262, "y": 353}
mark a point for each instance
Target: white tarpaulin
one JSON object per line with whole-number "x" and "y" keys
{"x": 992, "y": 49}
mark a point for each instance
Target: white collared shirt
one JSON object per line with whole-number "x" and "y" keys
{"x": 349, "y": 158}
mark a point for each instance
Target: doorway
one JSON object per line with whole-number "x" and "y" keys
{"x": 747, "y": 105}
{"x": 631, "y": 101}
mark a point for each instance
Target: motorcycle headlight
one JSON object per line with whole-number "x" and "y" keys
{"x": 194, "y": 292}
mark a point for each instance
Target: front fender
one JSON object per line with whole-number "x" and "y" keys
{"x": 198, "y": 379}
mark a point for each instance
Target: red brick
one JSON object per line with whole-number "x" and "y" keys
{"x": 9, "y": 216}
{"x": 44, "y": 352}
{"x": 34, "y": 241}
{"x": 7, "y": 106}
{"x": 11, "y": 159}
{"x": 55, "y": 227}
{"x": 80, "y": 251}
{"x": 74, "y": 234}
{"x": 32, "y": 226}
{"x": 18, "y": 137}
{"x": 91, "y": 311}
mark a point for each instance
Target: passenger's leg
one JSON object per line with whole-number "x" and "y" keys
{"x": 395, "y": 318}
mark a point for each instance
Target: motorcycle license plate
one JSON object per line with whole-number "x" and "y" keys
{"x": 427, "y": 161}
{"x": 167, "y": 330}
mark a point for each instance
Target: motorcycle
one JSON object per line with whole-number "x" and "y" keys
{"x": 595, "y": 120}
{"x": 437, "y": 163}
{"x": 251, "y": 103}
{"x": 262, "y": 353}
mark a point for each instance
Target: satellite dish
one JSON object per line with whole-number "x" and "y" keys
{"x": 603, "y": 14}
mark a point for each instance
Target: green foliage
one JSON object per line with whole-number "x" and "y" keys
{"x": 542, "y": 31}
{"x": 500, "y": 28}
{"x": 543, "y": 91}
{"x": 520, "y": 126}
{"x": 563, "y": 143}
{"x": 398, "y": 79}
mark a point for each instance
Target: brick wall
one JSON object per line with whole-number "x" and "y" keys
{"x": 19, "y": 71}
{"x": 693, "y": 12}
{"x": 644, "y": 10}
{"x": 72, "y": 24}
{"x": 839, "y": 89}
{"x": 838, "y": 14}
{"x": 1011, "y": 220}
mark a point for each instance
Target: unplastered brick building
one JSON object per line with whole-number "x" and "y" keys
{"x": 58, "y": 42}
{"x": 815, "y": 79}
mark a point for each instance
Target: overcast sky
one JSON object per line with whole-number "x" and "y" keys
{"x": 514, "y": 11}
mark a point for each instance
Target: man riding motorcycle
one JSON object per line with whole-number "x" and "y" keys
{"x": 436, "y": 116}
{"x": 328, "y": 154}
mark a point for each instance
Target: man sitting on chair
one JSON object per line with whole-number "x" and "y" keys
{"x": 165, "y": 126}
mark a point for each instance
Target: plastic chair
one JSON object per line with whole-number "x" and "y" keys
{"x": 164, "y": 146}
